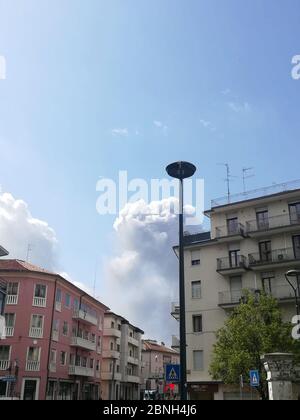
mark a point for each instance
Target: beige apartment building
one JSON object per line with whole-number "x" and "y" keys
{"x": 121, "y": 359}
{"x": 254, "y": 240}
{"x": 155, "y": 357}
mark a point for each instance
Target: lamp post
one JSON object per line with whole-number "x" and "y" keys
{"x": 181, "y": 171}
{"x": 296, "y": 275}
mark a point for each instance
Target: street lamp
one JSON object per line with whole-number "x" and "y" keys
{"x": 295, "y": 274}
{"x": 181, "y": 171}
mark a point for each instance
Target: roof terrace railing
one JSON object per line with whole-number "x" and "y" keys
{"x": 261, "y": 192}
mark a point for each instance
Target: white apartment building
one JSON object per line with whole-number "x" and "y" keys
{"x": 254, "y": 240}
{"x": 121, "y": 359}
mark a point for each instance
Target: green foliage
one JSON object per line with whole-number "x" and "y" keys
{"x": 253, "y": 329}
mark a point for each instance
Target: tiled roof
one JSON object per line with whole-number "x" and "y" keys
{"x": 18, "y": 265}
{"x": 196, "y": 238}
{"x": 152, "y": 346}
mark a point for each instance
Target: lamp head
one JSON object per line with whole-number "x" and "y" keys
{"x": 181, "y": 170}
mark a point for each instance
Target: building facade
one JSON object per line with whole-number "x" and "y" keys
{"x": 252, "y": 243}
{"x": 3, "y": 253}
{"x": 155, "y": 357}
{"x": 54, "y": 334}
{"x": 122, "y": 350}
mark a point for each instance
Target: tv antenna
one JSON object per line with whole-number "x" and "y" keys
{"x": 246, "y": 175}
{"x": 29, "y": 249}
{"x": 228, "y": 179}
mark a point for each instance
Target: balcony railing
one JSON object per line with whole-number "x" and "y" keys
{"x": 82, "y": 343}
{"x": 133, "y": 361}
{"x": 228, "y": 263}
{"x": 4, "y": 364}
{"x": 133, "y": 341}
{"x": 84, "y": 316}
{"x": 9, "y": 331}
{"x": 110, "y": 354}
{"x": 32, "y": 366}
{"x": 273, "y": 257}
{"x": 273, "y": 222}
{"x": 12, "y": 299}
{"x": 39, "y": 302}
{"x": 234, "y": 297}
{"x": 81, "y": 371}
{"x": 36, "y": 332}
{"x": 133, "y": 379}
{"x": 112, "y": 332}
{"x": 235, "y": 230}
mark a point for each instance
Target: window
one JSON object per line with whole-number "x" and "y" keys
{"x": 84, "y": 362}
{"x": 56, "y": 325}
{"x": 67, "y": 300}
{"x": 295, "y": 213}
{"x": 93, "y": 338}
{"x": 4, "y": 352}
{"x": 118, "y": 368}
{"x": 236, "y": 287}
{"x": 91, "y": 363}
{"x": 265, "y": 251}
{"x": 53, "y": 356}
{"x": 111, "y": 346}
{"x": 234, "y": 258}
{"x": 119, "y": 327}
{"x": 58, "y": 296}
{"x": 37, "y": 321}
{"x": 118, "y": 348}
{"x": 40, "y": 291}
{"x": 2, "y": 301}
{"x": 112, "y": 325}
{"x": 10, "y": 320}
{"x": 13, "y": 289}
{"x": 198, "y": 360}
{"x": 267, "y": 282}
{"x": 262, "y": 218}
{"x": 33, "y": 354}
{"x": 76, "y": 304}
{"x": 63, "y": 358}
{"x": 233, "y": 226}
{"x": 195, "y": 257}
{"x": 196, "y": 290}
{"x": 65, "y": 329}
{"x": 98, "y": 366}
{"x": 197, "y": 324}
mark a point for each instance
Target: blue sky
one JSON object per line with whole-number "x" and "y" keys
{"x": 216, "y": 74}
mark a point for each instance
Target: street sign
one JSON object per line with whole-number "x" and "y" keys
{"x": 173, "y": 373}
{"x": 254, "y": 378}
{"x": 8, "y": 379}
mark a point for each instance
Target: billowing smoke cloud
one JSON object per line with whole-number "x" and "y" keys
{"x": 142, "y": 281}
{"x": 19, "y": 230}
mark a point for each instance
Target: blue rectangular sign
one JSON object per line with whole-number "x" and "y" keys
{"x": 254, "y": 378}
{"x": 173, "y": 373}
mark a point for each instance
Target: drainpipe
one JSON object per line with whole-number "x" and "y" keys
{"x": 50, "y": 339}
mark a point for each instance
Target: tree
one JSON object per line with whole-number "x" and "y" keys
{"x": 253, "y": 329}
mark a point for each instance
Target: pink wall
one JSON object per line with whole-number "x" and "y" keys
{"x": 21, "y": 341}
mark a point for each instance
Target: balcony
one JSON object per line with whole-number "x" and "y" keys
{"x": 133, "y": 341}
{"x": 81, "y": 371}
{"x": 175, "y": 311}
{"x": 83, "y": 344}
{"x": 233, "y": 298}
{"x": 273, "y": 225}
{"x": 9, "y": 331}
{"x": 110, "y": 354}
{"x": 39, "y": 302}
{"x": 4, "y": 365}
{"x": 232, "y": 265}
{"x": 112, "y": 332}
{"x": 32, "y": 366}
{"x": 36, "y": 332}
{"x": 109, "y": 376}
{"x": 133, "y": 361}
{"x": 85, "y": 317}
{"x": 277, "y": 258}
{"x": 11, "y": 299}
{"x": 133, "y": 379}
{"x": 232, "y": 233}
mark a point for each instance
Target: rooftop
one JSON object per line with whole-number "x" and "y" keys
{"x": 20, "y": 266}
{"x": 151, "y": 345}
{"x": 274, "y": 189}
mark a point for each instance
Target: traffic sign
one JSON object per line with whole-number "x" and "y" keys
{"x": 254, "y": 378}
{"x": 8, "y": 379}
{"x": 173, "y": 373}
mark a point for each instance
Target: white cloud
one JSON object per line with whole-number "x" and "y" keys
{"x": 208, "y": 125}
{"x": 161, "y": 126}
{"x": 158, "y": 124}
{"x": 239, "y": 107}
{"x": 141, "y": 281}
{"x": 120, "y": 132}
{"x": 79, "y": 284}
{"x": 226, "y": 92}
{"x": 18, "y": 230}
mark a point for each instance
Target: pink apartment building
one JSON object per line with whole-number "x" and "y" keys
{"x": 53, "y": 345}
